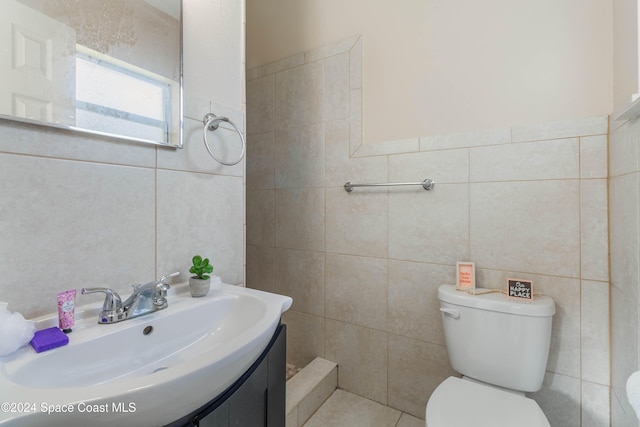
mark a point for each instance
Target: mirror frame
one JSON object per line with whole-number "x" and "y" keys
{"x": 180, "y": 142}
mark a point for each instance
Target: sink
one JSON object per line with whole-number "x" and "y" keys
{"x": 146, "y": 371}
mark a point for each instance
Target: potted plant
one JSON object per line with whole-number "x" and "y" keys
{"x": 200, "y": 283}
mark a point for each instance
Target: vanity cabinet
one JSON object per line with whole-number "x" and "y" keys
{"x": 257, "y": 399}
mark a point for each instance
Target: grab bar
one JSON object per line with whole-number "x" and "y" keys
{"x": 427, "y": 184}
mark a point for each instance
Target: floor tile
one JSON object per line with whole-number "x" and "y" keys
{"x": 407, "y": 420}
{"x": 344, "y": 409}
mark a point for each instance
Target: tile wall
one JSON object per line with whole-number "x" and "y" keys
{"x": 81, "y": 211}
{"x": 624, "y": 171}
{"x": 364, "y": 268}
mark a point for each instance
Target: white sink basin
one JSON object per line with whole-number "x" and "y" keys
{"x": 118, "y": 375}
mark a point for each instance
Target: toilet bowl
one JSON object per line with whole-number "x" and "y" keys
{"x": 500, "y": 345}
{"x": 459, "y": 402}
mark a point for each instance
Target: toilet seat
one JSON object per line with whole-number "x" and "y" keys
{"x": 462, "y": 403}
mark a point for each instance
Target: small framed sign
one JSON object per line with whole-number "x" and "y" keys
{"x": 466, "y": 275}
{"x": 521, "y": 289}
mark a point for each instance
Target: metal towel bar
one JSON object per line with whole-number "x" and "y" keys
{"x": 427, "y": 184}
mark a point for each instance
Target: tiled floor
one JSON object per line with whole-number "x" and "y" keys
{"x": 344, "y": 409}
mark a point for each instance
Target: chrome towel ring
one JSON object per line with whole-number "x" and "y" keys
{"x": 211, "y": 122}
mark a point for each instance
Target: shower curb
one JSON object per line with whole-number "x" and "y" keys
{"x": 308, "y": 390}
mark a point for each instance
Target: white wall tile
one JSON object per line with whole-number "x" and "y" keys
{"x": 261, "y": 170}
{"x": 300, "y": 218}
{"x": 416, "y": 368}
{"x": 260, "y": 105}
{"x": 260, "y": 214}
{"x": 387, "y": 147}
{"x": 281, "y": 65}
{"x": 301, "y": 276}
{"x": 624, "y": 231}
{"x": 623, "y": 150}
{"x": 620, "y": 416}
{"x": 355, "y": 65}
{"x": 529, "y": 226}
{"x": 556, "y": 159}
{"x": 466, "y": 139}
{"x": 355, "y": 119}
{"x": 336, "y": 87}
{"x": 625, "y": 277}
{"x": 367, "y": 233}
{"x": 208, "y": 229}
{"x": 593, "y": 156}
{"x": 225, "y": 144}
{"x": 559, "y": 399}
{"x": 340, "y": 168}
{"x": 595, "y": 405}
{"x": 444, "y": 166}
{"x": 361, "y": 355}
{"x": 42, "y": 141}
{"x": 348, "y": 279}
{"x": 299, "y": 96}
{"x": 594, "y": 241}
{"x": 67, "y": 216}
{"x": 299, "y": 156}
{"x": 595, "y": 363}
{"x": 413, "y": 306}
{"x": 196, "y": 106}
{"x": 221, "y": 20}
{"x": 561, "y": 129}
{"x": 259, "y": 269}
{"x": 305, "y": 337}
{"x": 624, "y": 343}
{"x": 430, "y": 226}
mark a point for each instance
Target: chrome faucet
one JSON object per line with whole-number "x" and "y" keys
{"x": 145, "y": 299}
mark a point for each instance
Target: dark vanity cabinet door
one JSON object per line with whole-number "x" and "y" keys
{"x": 257, "y": 399}
{"x": 276, "y": 381}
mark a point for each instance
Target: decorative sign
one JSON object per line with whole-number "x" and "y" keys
{"x": 519, "y": 288}
{"x": 466, "y": 273}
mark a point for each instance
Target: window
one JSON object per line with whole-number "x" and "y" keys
{"x": 134, "y": 102}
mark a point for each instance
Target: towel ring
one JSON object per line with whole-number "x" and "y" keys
{"x": 211, "y": 123}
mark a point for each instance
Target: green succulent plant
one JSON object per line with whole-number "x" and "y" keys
{"x": 201, "y": 267}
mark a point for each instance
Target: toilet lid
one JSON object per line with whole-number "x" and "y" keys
{"x": 463, "y": 403}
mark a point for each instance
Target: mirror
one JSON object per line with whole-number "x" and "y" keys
{"x": 106, "y": 67}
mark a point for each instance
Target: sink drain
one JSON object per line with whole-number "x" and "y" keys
{"x": 147, "y": 330}
{"x": 160, "y": 369}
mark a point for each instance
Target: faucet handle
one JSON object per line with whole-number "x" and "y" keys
{"x": 112, "y": 306}
{"x": 174, "y": 274}
{"x": 160, "y": 294}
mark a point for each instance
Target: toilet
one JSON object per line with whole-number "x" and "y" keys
{"x": 500, "y": 345}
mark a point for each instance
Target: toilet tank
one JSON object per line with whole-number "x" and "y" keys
{"x": 496, "y": 339}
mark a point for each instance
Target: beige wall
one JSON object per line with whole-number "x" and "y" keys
{"x": 363, "y": 268}
{"x": 625, "y": 54}
{"x": 441, "y": 67}
{"x": 79, "y": 211}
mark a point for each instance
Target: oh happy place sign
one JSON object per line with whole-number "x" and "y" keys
{"x": 518, "y": 288}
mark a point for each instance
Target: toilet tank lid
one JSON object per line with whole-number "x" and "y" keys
{"x": 541, "y": 306}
